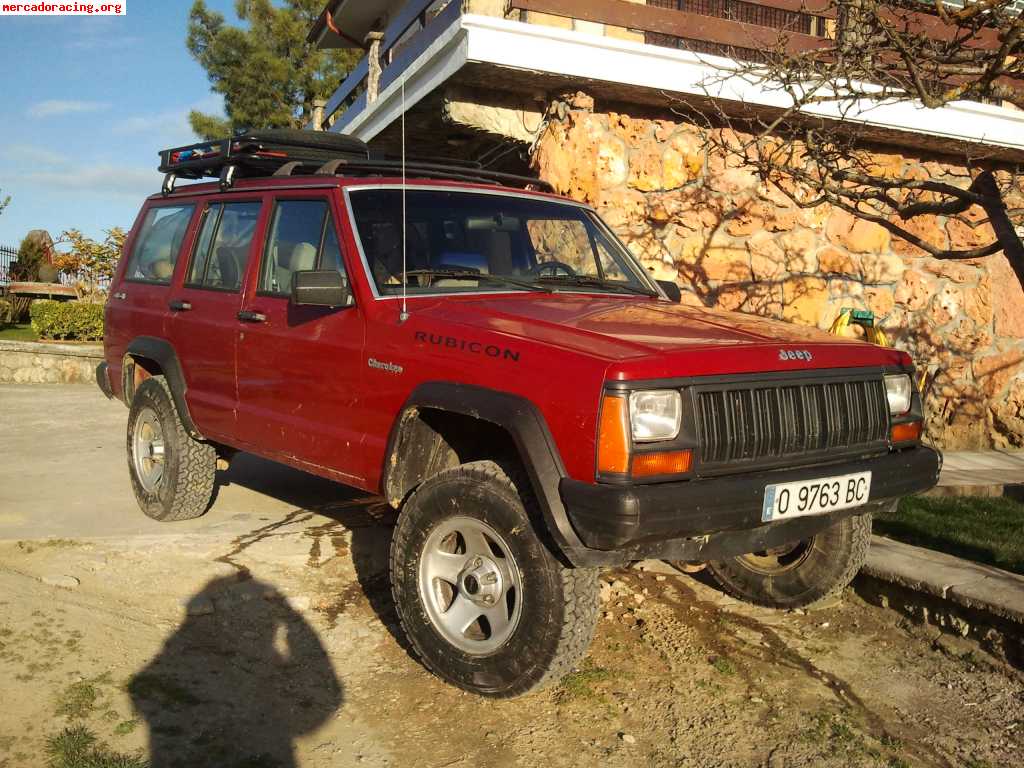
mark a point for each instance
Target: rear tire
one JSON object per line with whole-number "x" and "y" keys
{"x": 483, "y": 601}
{"x": 800, "y": 574}
{"x": 172, "y": 474}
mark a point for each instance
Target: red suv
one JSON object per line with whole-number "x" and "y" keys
{"x": 496, "y": 364}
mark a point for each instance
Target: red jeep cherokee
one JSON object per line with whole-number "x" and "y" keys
{"x": 498, "y": 366}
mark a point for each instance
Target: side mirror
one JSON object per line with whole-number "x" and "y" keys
{"x": 671, "y": 290}
{"x": 320, "y": 288}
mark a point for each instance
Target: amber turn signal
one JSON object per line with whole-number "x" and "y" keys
{"x": 613, "y": 436}
{"x": 662, "y": 463}
{"x": 905, "y": 433}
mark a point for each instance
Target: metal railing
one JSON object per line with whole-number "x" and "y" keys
{"x": 9, "y": 255}
{"x": 403, "y": 40}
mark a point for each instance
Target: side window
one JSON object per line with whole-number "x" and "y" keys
{"x": 222, "y": 249}
{"x": 158, "y": 244}
{"x": 302, "y": 237}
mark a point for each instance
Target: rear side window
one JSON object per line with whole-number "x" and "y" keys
{"x": 302, "y": 237}
{"x": 158, "y": 244}
{"x": 222, "y": 248}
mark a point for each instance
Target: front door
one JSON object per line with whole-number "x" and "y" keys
{"x": 298, "y": 367}
{"x": 204, "y": 323}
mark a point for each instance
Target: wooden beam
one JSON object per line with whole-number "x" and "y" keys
{"x": 636, "y": 16}
{"x": 668, "y": 21}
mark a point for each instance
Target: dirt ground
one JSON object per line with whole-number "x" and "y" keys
{"x": 263, "y": 635}
{"x": 279, "y": 647}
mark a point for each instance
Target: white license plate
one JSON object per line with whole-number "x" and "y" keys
{"x": 815, "y": 497}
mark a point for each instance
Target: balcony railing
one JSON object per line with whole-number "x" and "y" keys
{"x": 405, "y": 38}
{"x": 739, "y": 29}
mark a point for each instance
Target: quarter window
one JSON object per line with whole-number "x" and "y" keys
{"x": 222, "y": 250}
{"x": 302, "y": 237}
{"x": 158, "y": 244}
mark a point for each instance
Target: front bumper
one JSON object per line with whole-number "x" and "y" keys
{"x": 719, "y": 517}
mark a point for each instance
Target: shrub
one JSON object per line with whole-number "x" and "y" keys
{"x": 77, "y": 320}
{"x": 6, "y": 312}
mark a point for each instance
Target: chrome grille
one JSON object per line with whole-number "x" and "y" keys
{"x": 769, "y": 421}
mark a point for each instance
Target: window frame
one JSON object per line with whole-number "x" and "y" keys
{"x": 213, "y": 239}
{"x": 268, "y": 241}
{"x": 136, "y": 242}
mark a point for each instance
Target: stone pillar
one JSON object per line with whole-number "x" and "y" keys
{"x": 318, "y": 114}
{"x": 373, "y": 39}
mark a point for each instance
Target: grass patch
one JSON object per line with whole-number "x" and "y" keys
{"x": 78, "y": 747}
{"x": 78, "y": 700}
{"x": 982, "y": 529}
{"x": 28, "y": 547}
{"x": 125, "y": 727}
{"x": 579, "y": 684}
{"x": 724, "y": 666}
{"x": 18, "y": 332}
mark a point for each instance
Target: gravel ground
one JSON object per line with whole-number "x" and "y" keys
{"x": 263, "y": 635}
{"x": 280, "y": 648}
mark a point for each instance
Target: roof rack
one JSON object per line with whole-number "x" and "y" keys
{"x": 286, "y": 152}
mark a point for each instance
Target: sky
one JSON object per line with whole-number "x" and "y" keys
{"x": 85, "y": 105}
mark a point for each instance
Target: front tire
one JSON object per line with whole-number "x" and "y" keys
{"x": 483, "y": 601}
{"x": 172, "y": 474}
{"x": 799, "y": 574}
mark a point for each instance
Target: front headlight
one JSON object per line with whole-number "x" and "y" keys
{"x": 655, "y": 415}
{"x": 898, "y": 390}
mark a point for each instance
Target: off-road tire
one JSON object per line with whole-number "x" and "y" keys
{"x": 189, "y": 466}
{"x": 559, "y": 604}
{"x": 834, "y": 557}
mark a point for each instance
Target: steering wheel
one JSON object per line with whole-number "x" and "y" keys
{"x": 554, "y": 266}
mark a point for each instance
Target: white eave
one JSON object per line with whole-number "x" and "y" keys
{"x": 512, "y": 44}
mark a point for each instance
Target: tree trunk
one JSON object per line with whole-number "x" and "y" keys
{"x": 1006, "y": 233}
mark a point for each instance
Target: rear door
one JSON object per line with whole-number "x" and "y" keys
{"x": 299, "y": 367}
{"x": 205, "y": 306}
{"x": 138, "y": 300}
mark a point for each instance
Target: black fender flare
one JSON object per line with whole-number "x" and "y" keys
{"x": 530, "y": 435}
{"x": 161, "y": 352}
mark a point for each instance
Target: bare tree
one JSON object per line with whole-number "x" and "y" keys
{"x": 876, "y": 53}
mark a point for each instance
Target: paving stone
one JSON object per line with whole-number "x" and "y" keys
{"x": 982, "y": 468}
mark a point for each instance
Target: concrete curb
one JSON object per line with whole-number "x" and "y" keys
{"x": 37, "y": 362}
{"x": 961, "y": 582}
{"x": 91, "y": 350}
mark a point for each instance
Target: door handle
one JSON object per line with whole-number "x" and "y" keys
{"x": 180, "y": 306}
{"x": 247, "y": 316}
{"x": 121, "y": 295}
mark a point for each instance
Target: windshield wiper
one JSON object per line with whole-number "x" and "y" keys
{"x": 584, "y": 281}
{"x": 468, "y": 274}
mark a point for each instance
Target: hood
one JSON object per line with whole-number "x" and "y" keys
{"x": 624, "y": 329}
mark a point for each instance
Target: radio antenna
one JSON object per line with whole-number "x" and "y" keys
{"x": 404, "y": 315}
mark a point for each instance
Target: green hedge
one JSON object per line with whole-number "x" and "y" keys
{"x": 76, "y": 320}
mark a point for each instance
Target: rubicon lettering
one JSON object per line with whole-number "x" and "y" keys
{"x": 470, "y": 347}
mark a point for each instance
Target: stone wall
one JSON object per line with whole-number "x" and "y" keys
{"x": 733, "y": 242}
{"x": 29, "y": 362}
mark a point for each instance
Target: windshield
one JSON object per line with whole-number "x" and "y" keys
{"x": 452, "y": 236}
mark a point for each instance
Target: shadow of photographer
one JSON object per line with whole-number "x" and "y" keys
{"x": 235, "y": 687}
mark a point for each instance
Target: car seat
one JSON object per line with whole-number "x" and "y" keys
{"x": 496, "y": 246}
{"x": 301, "y": 257}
